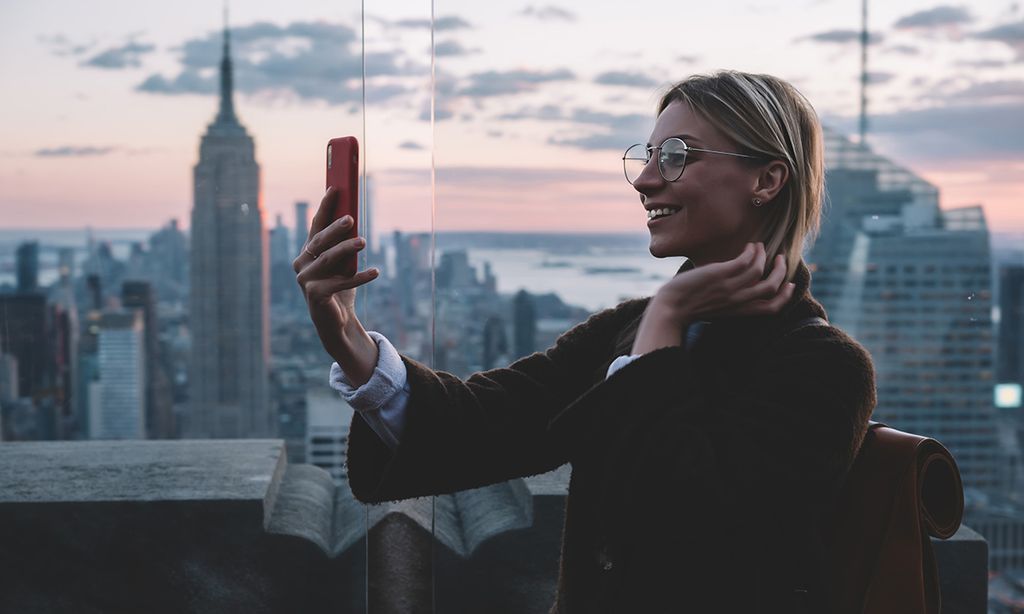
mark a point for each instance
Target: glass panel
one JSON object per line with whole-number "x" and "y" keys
{"x": 161, "y": 170}
{"x": 535, "y": 105}
{"x": 537, "y": 230}
{"x": 398, "y": 225}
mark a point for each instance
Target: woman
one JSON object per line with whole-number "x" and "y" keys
{"x": 708, "y": 428}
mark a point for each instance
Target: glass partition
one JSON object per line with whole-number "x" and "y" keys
{"x": 537, "y": 229}
{"x": 163, "y": 167}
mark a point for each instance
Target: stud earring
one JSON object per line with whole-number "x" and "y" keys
{"x": 757, "y": 202}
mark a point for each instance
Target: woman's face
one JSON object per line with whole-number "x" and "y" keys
{"x": 715, "y": 192}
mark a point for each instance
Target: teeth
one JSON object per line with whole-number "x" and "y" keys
{"x": 653, "y": 213}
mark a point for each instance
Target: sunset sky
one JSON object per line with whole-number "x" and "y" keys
{"x": 104, "y": 102}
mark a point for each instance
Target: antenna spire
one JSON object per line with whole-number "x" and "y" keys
{"x": 227, "y": 105}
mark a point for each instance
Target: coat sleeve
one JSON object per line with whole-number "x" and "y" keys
{"x": 680, "y": 444}
{"x": 491, "y": 427}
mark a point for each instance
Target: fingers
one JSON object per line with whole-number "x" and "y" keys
{"x": 321, "y": 241}
{"x": 324, "y": 289}
{"x": 327, "y": 263}
{"x": 324, "y": 213}
{"x": 748, "y": 267}
{"x": 336, "y": 232}
{"x": 770, "y": 288}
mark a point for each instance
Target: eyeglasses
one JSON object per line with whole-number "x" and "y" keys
{"x": 671, "y": 158}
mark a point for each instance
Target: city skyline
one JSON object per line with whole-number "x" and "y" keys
{"x": 111, "y": 104}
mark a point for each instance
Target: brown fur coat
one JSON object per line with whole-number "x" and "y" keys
{"x": 698, "y": 478}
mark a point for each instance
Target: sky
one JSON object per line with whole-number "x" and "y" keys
{"x": 105, "y": 102}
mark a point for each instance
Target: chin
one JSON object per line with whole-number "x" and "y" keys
{"x": 659, "y": 250}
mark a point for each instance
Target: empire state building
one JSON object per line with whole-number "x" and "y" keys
{"x": 229, "y": 296}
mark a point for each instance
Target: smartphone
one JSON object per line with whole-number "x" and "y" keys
{"x": 343, "y": 174}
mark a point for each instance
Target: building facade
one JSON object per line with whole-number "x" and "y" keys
{"x": 912, "y": 283}
{"x": 229, "y": 293}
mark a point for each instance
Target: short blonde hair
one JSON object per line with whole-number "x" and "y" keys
{"x": 766, "y": 116}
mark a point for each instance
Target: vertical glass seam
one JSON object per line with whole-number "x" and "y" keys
{"x": 433, "y": 294}
{"x": 362, "y": 212}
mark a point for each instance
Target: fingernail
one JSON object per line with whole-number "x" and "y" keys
{"x": 347, "y": 219}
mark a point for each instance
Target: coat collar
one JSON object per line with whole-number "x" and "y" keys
{"x": 746, "y": 330}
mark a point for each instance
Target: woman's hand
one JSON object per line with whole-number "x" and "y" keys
{"x": 330, "y": 293}
{"x": 731, "y": 288}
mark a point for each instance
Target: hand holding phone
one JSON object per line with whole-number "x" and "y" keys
{"x": 326, "y": 266}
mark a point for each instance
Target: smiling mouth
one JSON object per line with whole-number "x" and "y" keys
{"x": 657, "y": 214}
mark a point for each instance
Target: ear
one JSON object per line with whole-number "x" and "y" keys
{"x": 770, "y": 181}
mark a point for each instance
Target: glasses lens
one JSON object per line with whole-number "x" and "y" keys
{"x": 672, "y": 158}
{"x": 634, "y": 161}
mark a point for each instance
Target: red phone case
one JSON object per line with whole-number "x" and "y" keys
{"x": 343, "y": 173}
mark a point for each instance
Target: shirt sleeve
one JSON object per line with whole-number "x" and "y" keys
{"x": 489, "y": 427}
{"x": 383, "y": 399}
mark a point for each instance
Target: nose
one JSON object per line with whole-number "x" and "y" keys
{"x": 649, "y": 180}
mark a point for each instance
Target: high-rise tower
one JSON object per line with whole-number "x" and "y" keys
{"x": 911, "y": 282}
{"x": 229, "y": 296}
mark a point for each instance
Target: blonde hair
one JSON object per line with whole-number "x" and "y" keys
{"x": 766, "y": 116}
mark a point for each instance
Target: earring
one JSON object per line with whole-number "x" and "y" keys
{"x": 757, "y": 202}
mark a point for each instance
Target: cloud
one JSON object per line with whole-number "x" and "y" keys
{"x": 982, "y": 130}
{"x": 628, "y": 79}
{"x": 501, "y": 83}
{"x": 311, "y": 61}
{"x": 613, "y": 131}
{"x": 450, "y": 22}
{"x": 548, "y": 13}
{"x": 495, "y": 177}
{"x": 413, "y": 145}
{"x": 442, "y": 111}
{"x": 451, "y": 48}
{"x": 880, "y": 77}
{"x": 548, "y": 112}
{"x": 617, "y": 131}
{"x": 937, "y": 17}
{"x": 982, "y": 63}
{"x": 60, "y": 45}
{"x": 72, "y": 151}
{"x": 126, "y": 56}
{"x": 902, "y": 49}
{"x": 188, "y": 81}
{"x": 1005, "y": 90}
{"x": 1011, "y": 34}
{"x": 841, "y": 36}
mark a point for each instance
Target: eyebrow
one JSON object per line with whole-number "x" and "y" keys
{"x": 686, "y": 137}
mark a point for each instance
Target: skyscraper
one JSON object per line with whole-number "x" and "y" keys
{"x": 911, "y": 282}
{"x": 121, "y": 410}
{"x": 301, "y": 226}
{"x": 282, "y": 277}
{"x": 229, "y": 296}
{"x": 159, "y": 409}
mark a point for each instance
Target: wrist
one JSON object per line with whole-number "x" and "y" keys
{"x": 672, "y": 308}
{"x": 356, "y": 353}
{"x": 660, "y": 326}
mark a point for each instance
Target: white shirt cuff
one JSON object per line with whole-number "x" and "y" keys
{"x": 386, "y": 380}
{"x": 620, "y": 362}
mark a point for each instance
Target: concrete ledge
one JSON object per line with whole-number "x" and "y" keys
{"x": 230, "y": 526}
{"x": 963, "y": 572}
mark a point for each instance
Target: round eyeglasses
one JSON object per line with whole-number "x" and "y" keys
{"x": 671, "y": 158}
